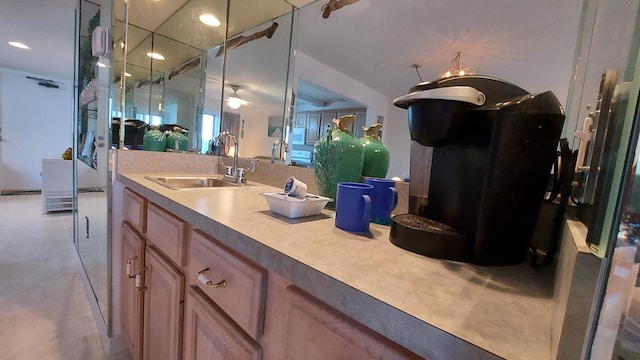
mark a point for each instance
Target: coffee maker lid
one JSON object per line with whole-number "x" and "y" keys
{"x": 455, "y": 93}
{"x": 541, "y": 103}
{"x": 473, "y": 89}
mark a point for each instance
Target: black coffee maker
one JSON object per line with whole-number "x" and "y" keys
{"x": 481, "y": 155}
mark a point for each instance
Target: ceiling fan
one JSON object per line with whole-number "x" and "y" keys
{"x": 234, "y": 101}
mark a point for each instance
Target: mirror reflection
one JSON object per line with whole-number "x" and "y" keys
{"x": 88, "y": 18}
{"x": 163, "y": 88}
{"x": 254, "y": 70}
{"x": 315, "y": 109}
{"x": 182, "y": 76}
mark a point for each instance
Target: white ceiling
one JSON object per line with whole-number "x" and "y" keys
{"x": 373, "y": 41}
{"x": 47, "y": 26}
{"x": 377, "y": 41}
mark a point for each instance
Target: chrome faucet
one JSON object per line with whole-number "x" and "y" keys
{"x": 232, "y": 173}
{"x": 280, "y": 142}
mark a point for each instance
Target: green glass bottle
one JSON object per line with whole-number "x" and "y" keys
{"x": 376, "y": 155}
{"x": 154, "y": 140}
{"x": 183, "y": 141}
{"x": 339, "y": 157}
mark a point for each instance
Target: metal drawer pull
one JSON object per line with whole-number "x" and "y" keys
{"x": 202, "y": 277}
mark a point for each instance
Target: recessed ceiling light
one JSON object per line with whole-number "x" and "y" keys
{"x": 127, "y": 74}
{"x": 155, "y": 56}
{"x": 209, "y": 19}
{"x": 18, "y": 44}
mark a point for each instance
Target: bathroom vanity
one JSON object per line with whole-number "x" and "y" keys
{"x": 217, "y": 271}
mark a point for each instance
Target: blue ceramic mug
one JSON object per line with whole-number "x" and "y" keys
{"x": 353, "y": 206}
{"x": 383, "y": 199}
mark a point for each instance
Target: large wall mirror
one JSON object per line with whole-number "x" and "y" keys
{"x": 180, "y": 71}
{"x": 255, "y": 73}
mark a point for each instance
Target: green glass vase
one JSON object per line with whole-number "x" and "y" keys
{"x": 183, "y": 141}
{"x": 339, "y": 157}
{"x": 154, "y": 140}
{"x": 376, "y": 155}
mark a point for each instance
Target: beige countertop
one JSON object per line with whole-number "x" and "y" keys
{"x": 438, "y": 309}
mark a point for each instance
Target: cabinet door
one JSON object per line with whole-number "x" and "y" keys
{"x": 163, "y": 310}
{"x": 327, "y": 122}
{"x": 313, "y": 127}
{"x": 211, "y": 335}
{"x": 361, "y": 120}
{"x": 316, "y": 331}
{"x": 301, "y": 121}
{"x": 132, "y": 260}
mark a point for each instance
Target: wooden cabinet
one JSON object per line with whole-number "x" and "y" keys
{"x": 313, "y": 124}
{"x": 301, "y": 121}
{"x": 326, "y": 122}
{"x": 164, "y": 284}
{"x": 315, "y": 331}
{"x": 168, "y": 233}
{"x": 237, "y": 285}
{"x": 212, "y": 335}
{"x": 316, "y": 123}
{"x": 163, "y": 308}
{"x": 186, "y": 295}
{"x": 356, "y": 127}
{"x": 152, "y": 286}
{"x": 131, "y": 296}
{"x": 134, "y": 210}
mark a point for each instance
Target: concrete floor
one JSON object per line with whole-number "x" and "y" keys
{"x": 44, "y": 309}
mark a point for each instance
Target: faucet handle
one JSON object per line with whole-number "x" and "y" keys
{"x": 240, "y": 172}
{"x": 252, "y": 166}
{"x": 228, "y": 169}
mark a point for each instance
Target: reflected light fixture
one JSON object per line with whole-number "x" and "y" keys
{"x": 155, "y": 56}
{"x": 456, "y": 68}
{"x": 18, "y": 44}
{"x": 234, "y": 101}
{"x": 127, "y": 74}
{"x": 101, "y": 64}
{"x": 209, "y": 19}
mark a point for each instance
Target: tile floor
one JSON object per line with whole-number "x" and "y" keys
{"x": 44, "y": 309}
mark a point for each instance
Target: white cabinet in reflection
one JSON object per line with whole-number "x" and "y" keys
{"x": 57, "y": 185}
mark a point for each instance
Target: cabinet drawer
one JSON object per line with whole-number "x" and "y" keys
{"x": 241, "y": 284}
{"x": 134, "y": 210}
{"x": 210, "y": 334}
{"x": 168, "y": 233}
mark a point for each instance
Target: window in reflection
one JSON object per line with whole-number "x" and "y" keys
{"x": 210, "y": 129}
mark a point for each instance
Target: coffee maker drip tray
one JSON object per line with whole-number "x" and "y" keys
{"x": 430, "y": 238}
